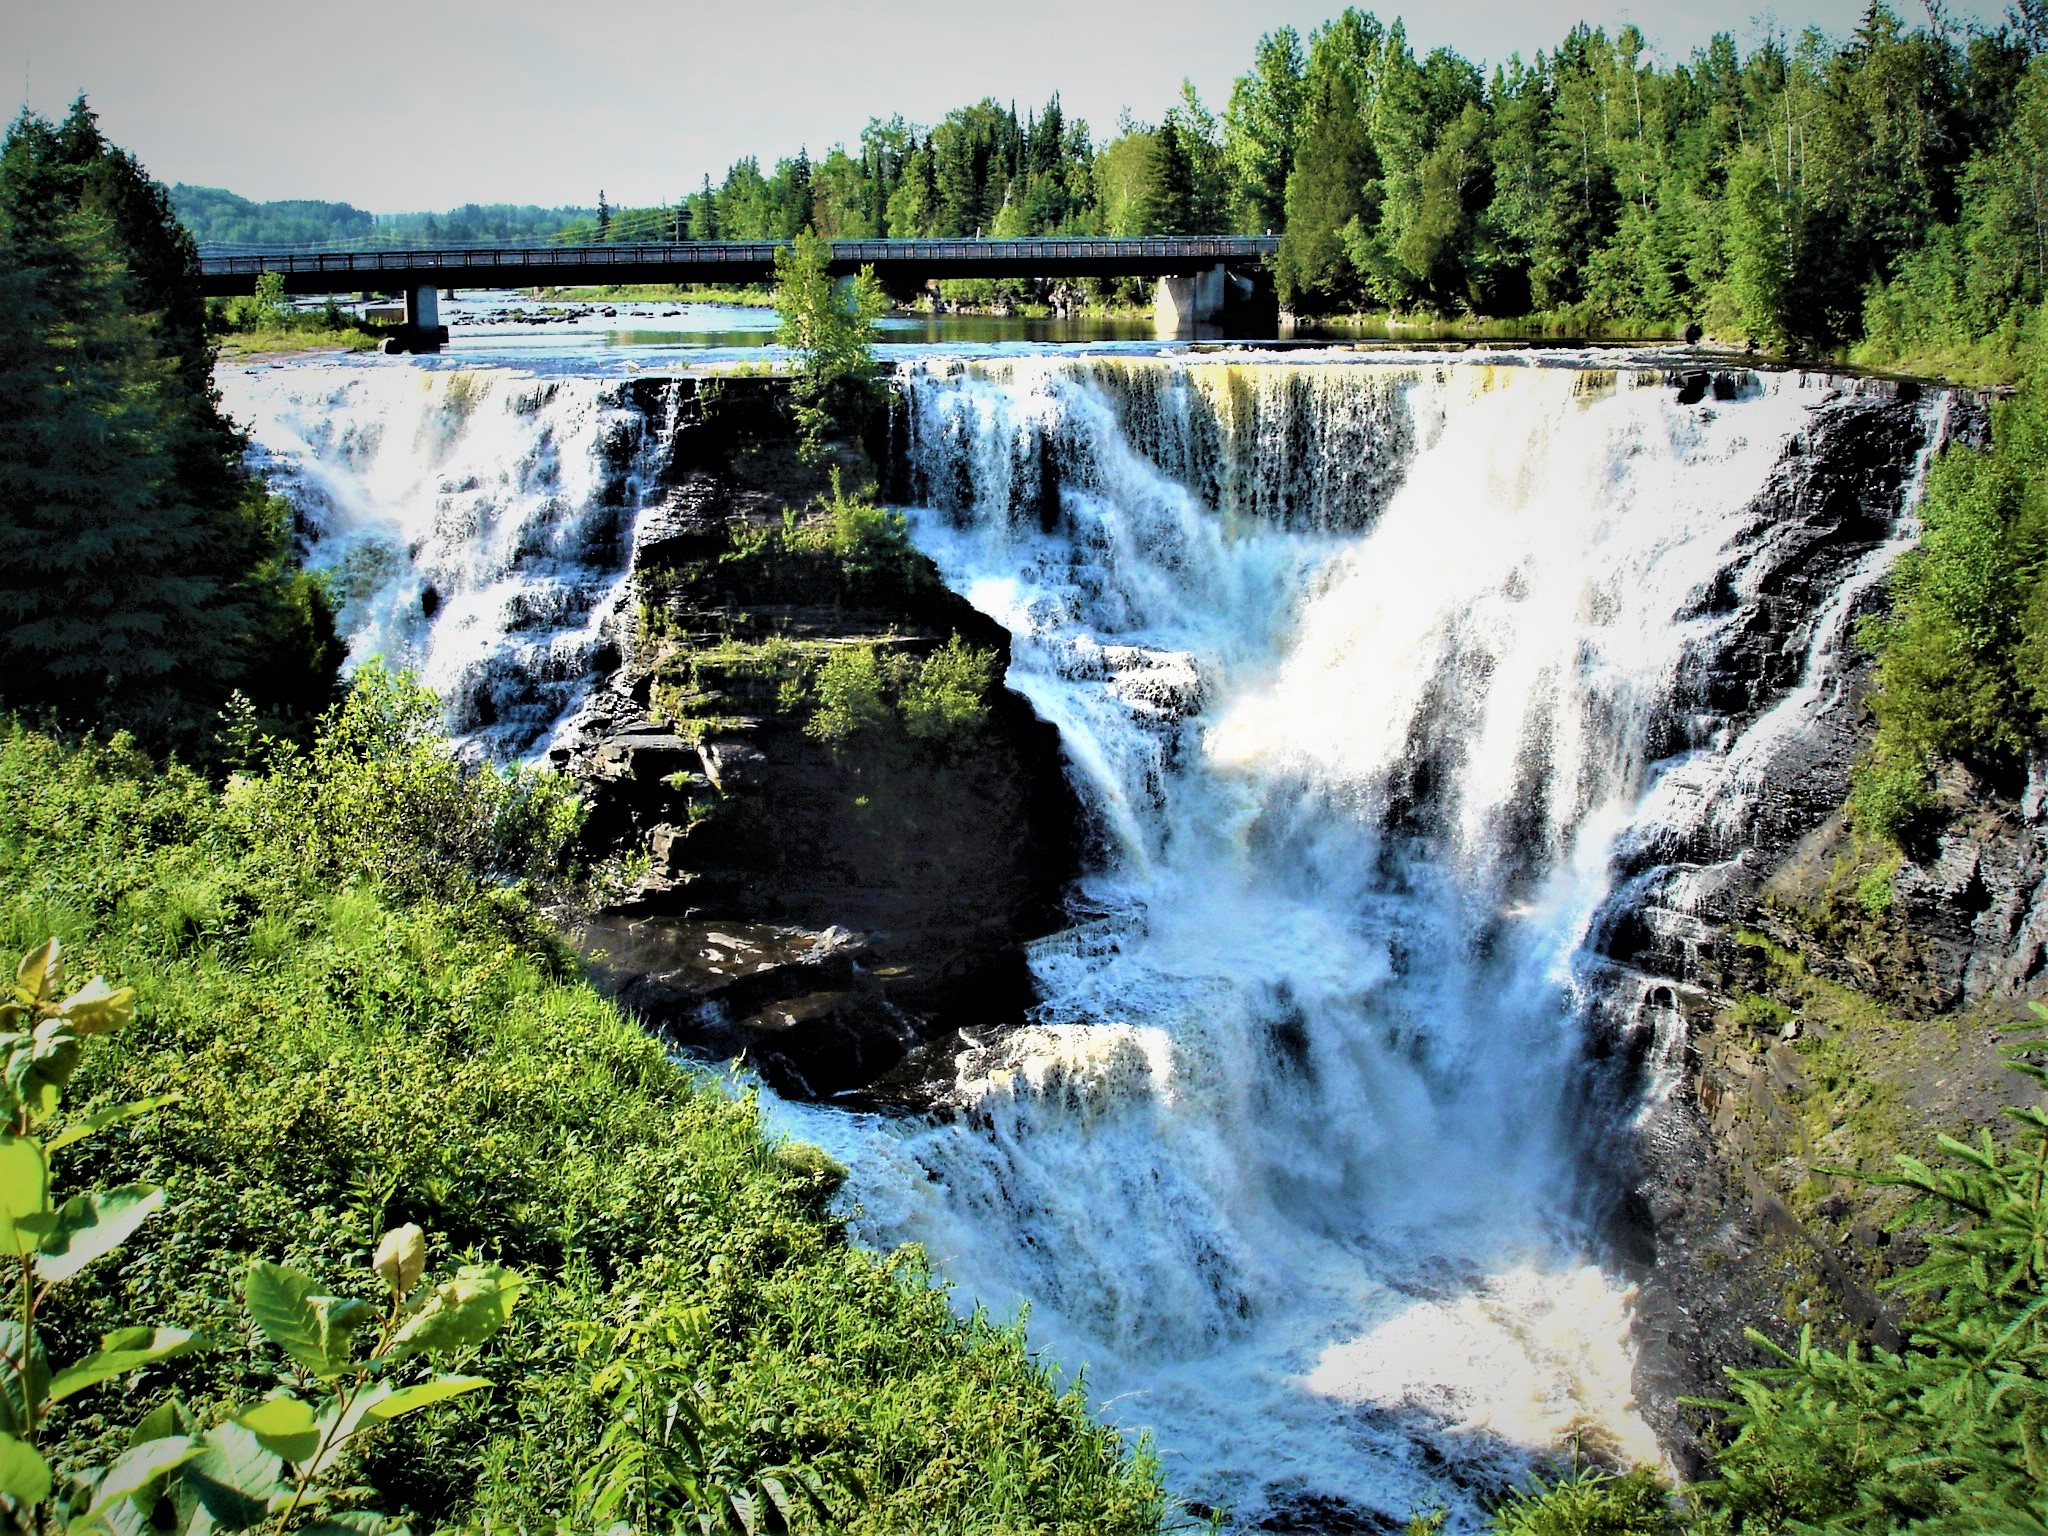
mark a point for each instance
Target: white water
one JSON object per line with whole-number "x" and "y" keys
{"x": 1288, "y": 1163}
{"x": 1357, "y": 668}
{"x": 475, "y": 525}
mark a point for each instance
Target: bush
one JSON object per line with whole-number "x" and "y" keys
{"x": 1591, "y": 1504}
{"x": 940, "y": 702}
{"x": 367, "y": 1037}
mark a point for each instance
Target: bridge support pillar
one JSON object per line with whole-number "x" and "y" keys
{"x": 1191, "y": 305}
{"x": 423, "y": 330}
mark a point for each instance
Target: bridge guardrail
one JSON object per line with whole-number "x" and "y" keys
{"x": 753, "y": 254}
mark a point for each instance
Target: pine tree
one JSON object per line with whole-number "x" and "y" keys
{"x": 1166, "y": 201}
{"x": 144, "y": 574}
{"x": 1333, "y": 166}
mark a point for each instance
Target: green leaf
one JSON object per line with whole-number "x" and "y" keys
{"x": 284, "y": 1425}
{"x": 24, "y": 1475}
{"x": 24, "y": 1190}
{"x": 90, "y": 1225}
{"x": 405, "y": 1400}
{"x": 313, "y": 1329}
{"x": 24, "y": 1378}
{"x": 169, "y": 1417}
{"x": 97, "y": 1009}
{"x": 125, "y": 1350}
{"x": 235, "y": 1477}
{"x": 41, "y": 969}
{"x": 100, "y": 1119}
{"x": 463, "y": 1311}
{"x": 139, "y": 1469}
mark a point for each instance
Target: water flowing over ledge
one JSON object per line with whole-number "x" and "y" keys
{"x": 1374, "y": 678}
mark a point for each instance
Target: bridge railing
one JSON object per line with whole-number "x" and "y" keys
{"x": 748, "y": 254}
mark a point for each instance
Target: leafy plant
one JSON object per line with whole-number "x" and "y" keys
{"x": 1950, "y": 1433}
{"x": 828, "y": 332}
{"x": 664, "y": 1463}
{"x": 263, "y": 1466}
{"x": 1590, "y": 1503}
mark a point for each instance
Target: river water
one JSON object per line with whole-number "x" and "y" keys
{"x": 1358, "y": 664}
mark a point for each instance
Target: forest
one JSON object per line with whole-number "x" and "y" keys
{"x": 1883, "y": 192}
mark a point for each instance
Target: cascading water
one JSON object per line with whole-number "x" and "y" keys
{"x": 1367, "y": 673}
{"x": 1364, "y": 672}
{"x": 475, "y": 525}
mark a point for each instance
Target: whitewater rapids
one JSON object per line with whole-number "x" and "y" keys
{"x": 1364, "y": 673}
{"x": 1357, "y": 670}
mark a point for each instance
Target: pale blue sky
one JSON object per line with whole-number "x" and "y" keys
{"x": 409, "y": 104}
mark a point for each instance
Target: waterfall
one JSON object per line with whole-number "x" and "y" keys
{"x": 1364, "y": 673}
{"x": 475, "y": 525}
{"x": 1371, "y": 676}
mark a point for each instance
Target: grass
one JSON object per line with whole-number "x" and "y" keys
{"x": 290, "y": 338}
{"x": 358, "y": 1047}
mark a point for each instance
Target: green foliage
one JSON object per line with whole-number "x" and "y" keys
{"x": 947, "y": 699}
{"x": 144, "y": 574}
{"x": 1962, "y": 669}
{"x": 1948, "y": 1434}
{"x": 1590, "y": 1503}
{"x": 266, "y": 320}
{"x": 382, "y": 788}
{"x": 1755, "y": 1011}
{"x": 940, "y": 702}
{"x": 352, "y": 1058}
{"x": 829, "y": 333}
{"x": 271, "y": 1460}
{"x": 852, "y": 691}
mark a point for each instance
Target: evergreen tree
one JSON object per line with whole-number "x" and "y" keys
{"x": 1166, "y": 202}
{"x": 1333, "y": 166}
{"x": 143, "y": 573}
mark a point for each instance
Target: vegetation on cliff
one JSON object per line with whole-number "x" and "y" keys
{"x": 368, "y": 1026}
{"x": 1962, "y": 673}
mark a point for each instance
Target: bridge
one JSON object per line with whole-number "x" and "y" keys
{"x": 1196, "y": 280}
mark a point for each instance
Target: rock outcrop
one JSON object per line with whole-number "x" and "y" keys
{"x": 820, "y": 904}
{"x": 1798, "y": 1002}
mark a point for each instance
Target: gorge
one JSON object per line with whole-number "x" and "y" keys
{"x": 1425, "y": 732}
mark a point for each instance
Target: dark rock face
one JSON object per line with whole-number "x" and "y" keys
{"x": 821, "y": 909}
{"x": 1723, "y": 1215}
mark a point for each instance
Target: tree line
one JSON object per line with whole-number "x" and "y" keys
{"x": 1812, "y": 192}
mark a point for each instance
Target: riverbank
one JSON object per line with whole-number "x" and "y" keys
{"x": 363, "y": 1028}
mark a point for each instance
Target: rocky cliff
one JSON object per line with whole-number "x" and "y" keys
{"x": 852, "y": 826}
{"x": 1803, "y": 1005}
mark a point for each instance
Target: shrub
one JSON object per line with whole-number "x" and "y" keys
{"x": 1946, "y": 1434}
{"x": 360, "y": 1048}
{"x": 948, "y": 698}
{"x": 1590, "y": 1503}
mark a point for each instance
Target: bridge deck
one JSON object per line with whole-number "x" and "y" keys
{"x": 560, "y": 266}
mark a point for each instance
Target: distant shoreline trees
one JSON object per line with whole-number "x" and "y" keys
{"x": 1884, "y": 189}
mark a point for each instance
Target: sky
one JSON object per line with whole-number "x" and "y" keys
{"x": 403, "y": 105}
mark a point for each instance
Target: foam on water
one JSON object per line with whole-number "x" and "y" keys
{"x": 475, "y": 525}
{"x": 1359, "y": 669}
{"x": 1356, "y": 667}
